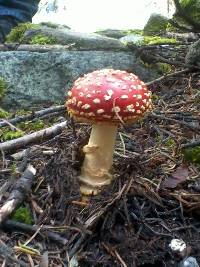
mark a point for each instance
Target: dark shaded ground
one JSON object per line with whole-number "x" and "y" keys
{"x": 132, "y": 222}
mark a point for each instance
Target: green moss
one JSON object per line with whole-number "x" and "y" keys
{"x": 152, "y": 40}
{"x": 155, "y": 97}
{"x": 133, "y": 31}
{"x": 163, "y": 68}
{"x": 192, "y": 155}
{"x": 3, "y": 114}
{"x": 42, "y": 40}
{"x": 155, "y": 40}
{"x": 156, "y": 24}
{"x": 3, "y": 87}
{"x": 23, "y": 215}
{"x": 9, "y": 135}
{"x": 17, "y": 33}
{"x": 170, "y": 142}
{"x": 32, "y": 126}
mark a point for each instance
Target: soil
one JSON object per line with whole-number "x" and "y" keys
{"x": 153, "y": 198}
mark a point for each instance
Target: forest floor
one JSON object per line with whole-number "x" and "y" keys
{"x": 154, "y": 197}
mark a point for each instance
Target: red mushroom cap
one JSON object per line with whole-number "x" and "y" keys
{"x": 109, "y": 95}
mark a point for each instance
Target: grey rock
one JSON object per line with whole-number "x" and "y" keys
{"x": 132, "y": 38}
{"x": 38, "y": 79}
{"x": 80, "y": 41}
{"x": 113, "y": 33}
{"x": 193, "y": 55}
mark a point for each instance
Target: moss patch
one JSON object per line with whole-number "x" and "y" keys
{"x": 192, "y": 155}
{"x": 3, "y": 114}
{"x": 163, "y": 68}
{"x": 42, "y": 40}
{"x": 152, "y": 40}
{"x": 17, "y": 33}
{"x": 9, "y": 135}
{"x": 23, "y": 215}
{"x": 32, "y": 126}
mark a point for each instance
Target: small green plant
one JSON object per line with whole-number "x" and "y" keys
{"x": 9, "y": 135}
{"x": 23, "y": 215}
{"x": 192, "y": 155}
{"x": 42, "y": 40}
{"x": 170, "y": 142}
{"x": 163, "y": 68}
{"x": 32, "y": 126}
{"x": 155, "y": 97}
{"x": 17, "y": 33}
{"x": 3, "y": 114}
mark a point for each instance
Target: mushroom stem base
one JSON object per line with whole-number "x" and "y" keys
{"x": 96, "y": 169}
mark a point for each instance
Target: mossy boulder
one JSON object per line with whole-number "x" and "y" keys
{"x": 192, "y": 9}
{"x": 17, "y": 34}
{"x": 156, "y": 24}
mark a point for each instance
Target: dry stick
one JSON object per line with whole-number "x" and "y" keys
{"x": 161, "y": 117}
{"x": 19, "y": 192}
{"x": 35, "y": 137}
{"x": 33, "y": 115}
{"x": 12, "y": 225}
{"x": 168, "y": 76}
{"x": 191, "y": 144}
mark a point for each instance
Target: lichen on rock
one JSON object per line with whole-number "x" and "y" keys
{"x": 3, "y": 87}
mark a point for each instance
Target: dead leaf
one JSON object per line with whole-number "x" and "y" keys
{"x": 177, "y": 177}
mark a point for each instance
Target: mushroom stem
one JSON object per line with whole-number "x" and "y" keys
{"x": 98, "y": 161}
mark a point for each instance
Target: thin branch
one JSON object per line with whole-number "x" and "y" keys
{"x": 161, "y": 117}
{"x": 19, "y": 192}
{"x": 191, "y": 144}
{"x": 164, "y": 77}
{"x": 35, "y": 137}
{"x": 12, "y": 225}
{"x": 33, "y": 115}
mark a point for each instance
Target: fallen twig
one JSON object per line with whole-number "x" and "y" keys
{"x": 35, "y": 137}
{"x": 12, "y": 225}
{"x": 33, "y": 115}
{"x": 162, "y": 117}
{"x": 191, "y": 144}
{"x": 168, "y": 76}
{"x": 20, "y": 190}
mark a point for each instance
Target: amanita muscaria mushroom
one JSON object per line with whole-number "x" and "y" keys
{"x": 105, "y": 98}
